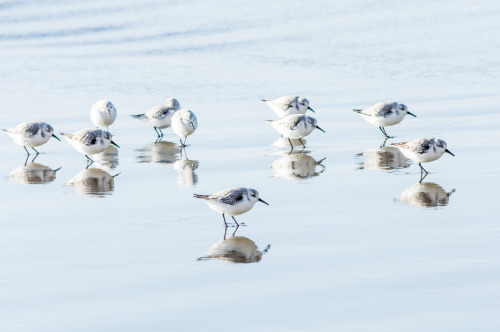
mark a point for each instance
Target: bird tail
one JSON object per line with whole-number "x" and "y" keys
{"x": 66, "y": 135}
{"x": 269, "y": 121}
{"x": 357, "y": 111}
{"x": 200, "y": 196}
{"x": 138, "y": 116}
{"x": 6, "y": 130}
{"x": 264, "y": 100}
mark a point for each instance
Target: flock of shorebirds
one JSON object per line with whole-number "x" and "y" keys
{"x": 293, "y": 124}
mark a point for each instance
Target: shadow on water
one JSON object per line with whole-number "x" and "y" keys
{"x": 33, "y": 173}
{"x": 426, "y": 195}
{"x": 386, "y": 158}
{"x": 94, "y": 182}
{"x": 235, "y": 249}
{"x": 297, "y": 166}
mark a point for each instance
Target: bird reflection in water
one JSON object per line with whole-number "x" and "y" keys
{"x": 33, "y": 173}
{"x": 93, "y": 181}
{"x": 296, "y": 166}
{"x": 235, "y": 249}
{"x": 426, "y": 195}
{"x": 385, "y": 158}
{"x": 170, "y": 153}
{"x": 158, "y": 152}
{"x": 108, "y": 159}
{"x": 185, "y": 171}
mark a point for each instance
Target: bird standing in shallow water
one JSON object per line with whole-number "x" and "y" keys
{"x": 287, "y": 105}
{"x": 160, "y": 117}
{"x": 184, "y": 123}
{"x": 233, "y": 201}
{"x": 31, "y": 134}
{"x": 103, "y": 114}
{"x": 295, "y": 126}
{"x": 90, "y": 141}
{"x": 423, "y": 150}
{"x": 384, "y": 114}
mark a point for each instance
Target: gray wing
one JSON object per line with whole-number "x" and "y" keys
{"x": 385, "y": 110}
{"x": 28, "y": 129}
{"x": 89, "y": 138}
{"x": 159, "y": 112}
{"x": 230, "y": 196}
{"x": 423, "y": 146}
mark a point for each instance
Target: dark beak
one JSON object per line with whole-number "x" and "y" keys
{"x": 115, "y": 144}
{"x": 57, "y": 138}
{"x": 310, "y": 109}
{"x": 409, "y": 113}
{"x": 449, "y": 152}
{"x": 317, "y": 127}
{"x": 263, "y": 201}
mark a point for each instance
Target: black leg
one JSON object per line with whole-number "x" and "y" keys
{"x": 235, "y": 229}
{"x": 161, "y": 132}
{"x": 36, "y": 151}
{"x": 26, "y": 150}
{"x": 185, "y": 138}
{"x": 291, "y": 146}
{"x": 382, "y": 129}
{"x": 422, "y": 169}
{"x": 303, "y": 145}
{"x": 237, "y": 225}
{"x": 385, "y": 141}
{"x": 225, "y": 223}
{"x": 157, "y": 133}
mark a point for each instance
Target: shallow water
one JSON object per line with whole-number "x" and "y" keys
{"x": 351, "y": 241}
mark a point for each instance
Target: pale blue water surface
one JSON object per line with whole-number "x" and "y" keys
{"x": 356, "y": 244}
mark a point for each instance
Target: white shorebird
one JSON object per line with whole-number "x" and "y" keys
{"x": 184, "y": 123}
{"x": 233, "y": 201}
{"x": 287, "y": 105}
{"x": 384, "y": 114}
{"x": 31, "y": 134}
{"x": 160, "y": 117}
{"x": 90, "y": 141}
{"x": 103, "y": 113}
{"x": 295, "y": 126}
{"x": 423, "y": 150}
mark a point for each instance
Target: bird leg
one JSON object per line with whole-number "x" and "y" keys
{"x": 36, "y": 151}
{"x": 225, "y": 223}
{"x": 157, "y": 133}
{"x": 382, "y": 129}
{"x": 303, "y": 145}
{"x": 237, "y": 225}
{"x": 26, "y": 150}
{"x": 291, "y": 146}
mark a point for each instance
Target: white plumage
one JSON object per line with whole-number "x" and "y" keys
{"x": 287, "y": 105}
{"x": 160, "y": 117}
{"x": 31, "y": 134}
{"x": 103, "y": 113}
{"x": 184, "y": 123}
{"x": 384, "y": 114}
{"x": 90, "y": 141}
{"x": 233, "y": 201}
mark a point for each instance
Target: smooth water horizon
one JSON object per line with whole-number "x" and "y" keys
{"x": 350, "y": 241}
